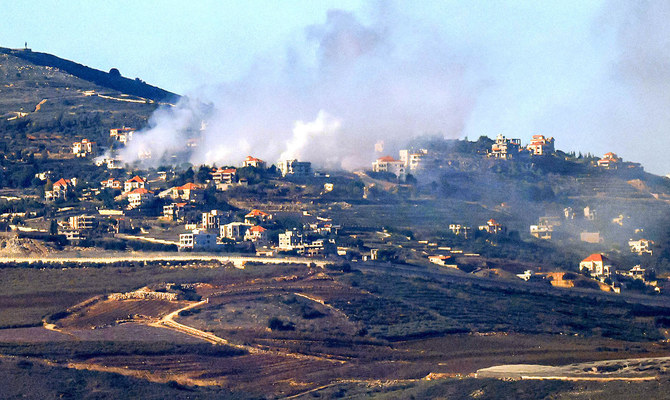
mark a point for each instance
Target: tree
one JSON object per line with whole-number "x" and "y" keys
{"x": 53, "y": 227}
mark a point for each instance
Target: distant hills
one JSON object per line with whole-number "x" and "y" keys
{"x": 112, "y": 79}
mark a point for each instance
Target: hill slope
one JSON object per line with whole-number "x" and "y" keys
{"x": 112, "y": 80}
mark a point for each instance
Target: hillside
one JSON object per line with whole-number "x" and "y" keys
{"x": 111, "y": 80}
{"x": 47, "y": 102}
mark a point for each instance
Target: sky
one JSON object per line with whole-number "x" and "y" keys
{"x": 324, "y": 74}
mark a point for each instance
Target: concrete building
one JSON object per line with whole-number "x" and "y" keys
{"x": 492, "y": 227}
{"x": 133, "y": 183}
{"x": 213, "y": 219}
{"x": 539, "y": 145}
{"x": 641, "y": 246}
{"x": 198, "y": 240}
{"x": 254, "y": 162}
{"x": 80, "y": 222}
{"x": 390, "y": 164}
{"x": 597, "y": 265}
{"x": 505, "y": 148}
{"x": 139, "y": 197}
{"x": 84, "y": 148}
{"x": 295, "y": 168}
{"x": 234, "y": 230}
{"x": 290, "y": 240}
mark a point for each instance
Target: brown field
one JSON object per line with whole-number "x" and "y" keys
{"x": 109, "y": 312}
{"x": 315, "y": 344}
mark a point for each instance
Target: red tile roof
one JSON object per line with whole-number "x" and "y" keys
{"x": 386, "y": 159}
{"x": 189, "y": 186}
{"x": 62, "y": 182}
{"x": 250, "y": 158}
{"x": 595, "y": 257}
{"x": 136, "y": 179}
{"x": 257, "y": 228}
{"x": 257, "y": 213}
{"x": 140, "y": 191}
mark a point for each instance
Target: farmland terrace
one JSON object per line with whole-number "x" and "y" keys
{"x": 292, "y": 330}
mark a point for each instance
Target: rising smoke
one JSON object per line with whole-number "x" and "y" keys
{"x": 327, "y": 99}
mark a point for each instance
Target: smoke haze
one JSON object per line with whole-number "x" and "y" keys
{"x": 327, "y": 99}
{"x": 595, "y": 75}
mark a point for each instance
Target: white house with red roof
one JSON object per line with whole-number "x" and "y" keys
{"x": 609, "y": 161}
{"x": 492, "y": 227}
{"x": 224, "y": 175}
{"x": 253, "y": 162}
{"x": 256, "y": 234}
{"x": 389, "y": 164}
{"x": 539, "y": 145}
{"x": 60, "y": 189}
{"x": 257, "y": 217}
{"x": 136, "y": 182}
{"x": 597, "y": 265}
{"x": 139, "y": 197}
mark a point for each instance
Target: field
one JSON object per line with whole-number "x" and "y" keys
{"x": 377, "y": 330}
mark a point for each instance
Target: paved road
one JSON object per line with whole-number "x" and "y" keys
{"x": 238, "y": 261}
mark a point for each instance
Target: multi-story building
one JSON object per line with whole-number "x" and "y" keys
{"x": 256, "y": 234}
{"x": 389, "y": 164}
{"x": 609, "y": 161}
{"x": 413, "y": 160}
{"x": 492, "y": 227}
{"x": 505, "y": 148}
{"x": 135, "y": 182}
{"x": 460, "y": 230}
{"x": 295, "y": 168}
{"x": 213, "y": 219}
{"x": 139, "y": 197}
{"x": 539, "y": 145}
{"x": 234, "y": 230}
{"x": 257, "y": 217}
{"x": 253, "y": 162}
{"x": 122, "y": 135}
{"x": 641, "y": 246}
{"x": 84, "y": 148}
{"x": 79, "y": 222}
{"x": 290, "y": 240}
{"x": 597, "y": 265}
{"x": 197, "y": 240}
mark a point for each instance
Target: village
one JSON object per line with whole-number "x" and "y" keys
{"x": 143, "y": 208}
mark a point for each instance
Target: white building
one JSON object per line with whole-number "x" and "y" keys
{"x": 290, "y": 240}
{"x": 139, "y": 197}
{"x": 234, "y": 230}
{"x": 84, "y": 148}
{"x": 212, "y": 220}
{"x": 413, "y": 160}
{"x": 642, "y": 246}
{"x": 505, "y": 148}
{"x": 597, "y": 265}
{"x": 389, "y": 164}
{"x": 295, "y": 168}
{"x": 197, "y": 240}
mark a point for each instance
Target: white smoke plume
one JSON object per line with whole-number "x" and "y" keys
{"x": 357, "y": 83}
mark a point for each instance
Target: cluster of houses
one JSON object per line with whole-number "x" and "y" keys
{"x": 217, "y": 229}
{"x": 409, "y": 162}
{"x": 506, "y": 149}
{"x": 491, "y": 227}
{"x": 599, "y": 267}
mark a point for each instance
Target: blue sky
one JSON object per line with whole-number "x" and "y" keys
{"x": 563, "y": 68}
